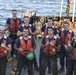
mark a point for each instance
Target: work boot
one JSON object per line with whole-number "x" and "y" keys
{"x": 36, "y": 67}
{"x": 9, "y": 59}
{"x": 25, "y": 67}
{"x": 49, "y": 71}
{"x": 13, "y": 72}
{"x": 61, "y": 70}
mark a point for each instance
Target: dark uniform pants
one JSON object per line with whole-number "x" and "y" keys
{"x": 41, "y": 57}
{"x": 13, "y": 38}
{"x": 71, "y": 67}
{"x": 52, "y": 60}
{"x": 21, "y": 62}
{"x": 35, "y": 60}
{"x": 63, "y": 54}
{"x": 3, "y": 62}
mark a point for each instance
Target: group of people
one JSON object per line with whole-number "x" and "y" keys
{"x": 21, "y": 42}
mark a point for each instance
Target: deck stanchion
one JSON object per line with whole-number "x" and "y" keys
{"x": 74, "y": 2}
{"x": 61, "y": 4}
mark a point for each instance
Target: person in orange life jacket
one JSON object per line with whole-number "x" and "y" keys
{"x": 51, "y": 44}
{"x": 26, "y": 24}
{"x": 24, "y": 45}
{"x": 32, "y": 31}
{"x": 49, "y": 24}
{"x": 12, "y": 24}
{"x": 45, "y": 29}
{"x": 71, "y": 67}
{"x": 5, "y": 47}
{"x": 66, "y": 35}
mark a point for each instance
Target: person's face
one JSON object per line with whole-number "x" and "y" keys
{"x": 14, "y": 13}
{"x": 1, "y": 31}
{"x": 50, "y": 22}
{"x": 25, "y": 32}
{"x": 66, "y": 26}
{"x": 26, "y": 20}
{"x": 50, "y": 31}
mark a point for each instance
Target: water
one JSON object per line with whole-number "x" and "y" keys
{"x": 41, "y": 7}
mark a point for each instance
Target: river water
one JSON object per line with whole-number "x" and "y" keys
{"x": 41, "y": 7}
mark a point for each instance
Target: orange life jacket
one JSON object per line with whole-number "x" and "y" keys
{"x": 72, "y": 55}
{"x": 14, "y": 26}
{"x": 49, "y": 49}
{"x": 64, "y": 40}
{"x": 26, "y": 46}
{"x": 3, "y": 52}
